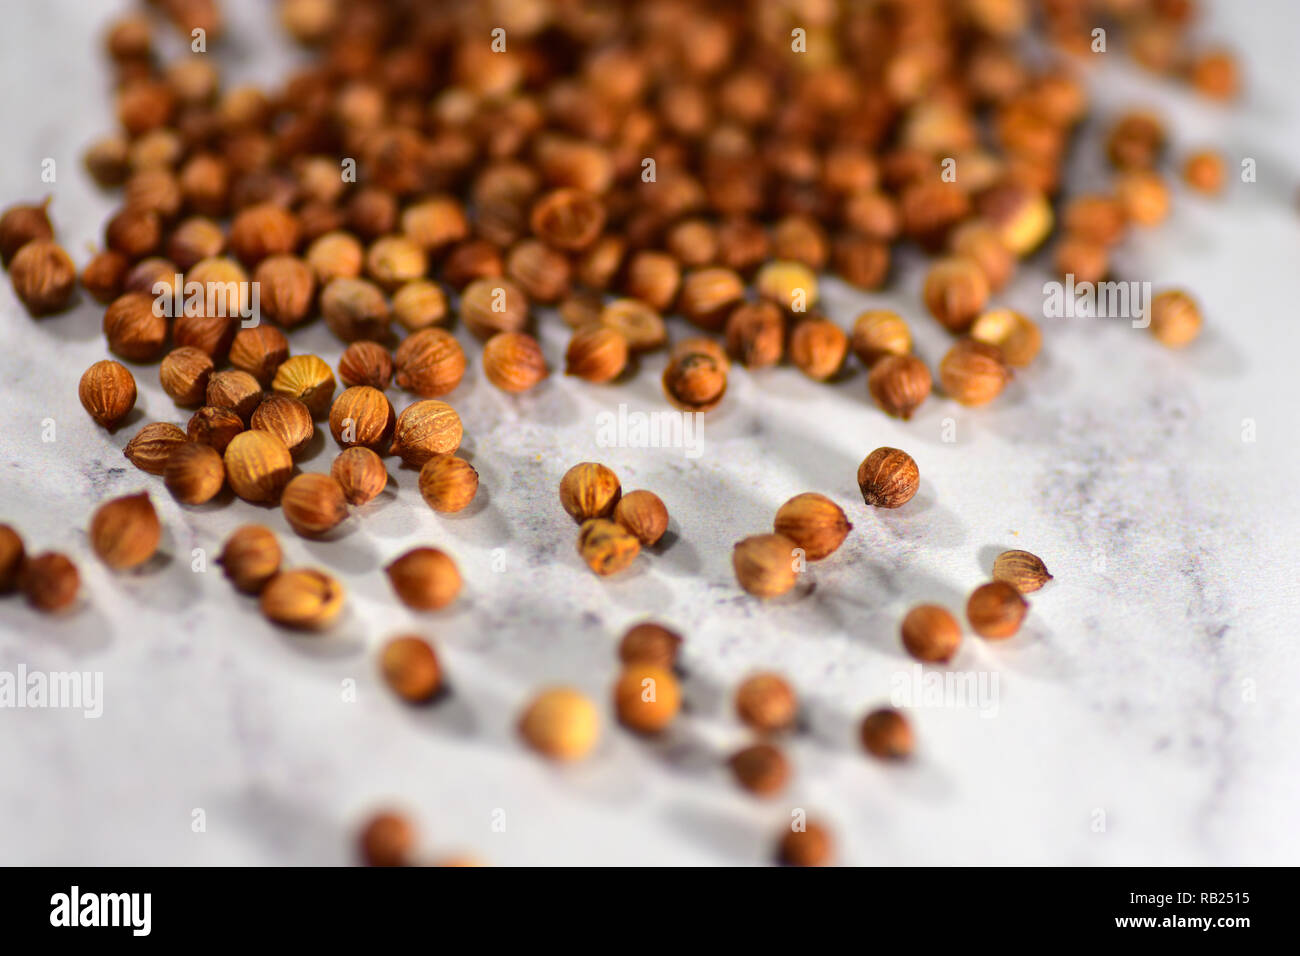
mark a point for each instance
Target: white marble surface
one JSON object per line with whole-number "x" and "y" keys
{"x": 1155, "y": 680}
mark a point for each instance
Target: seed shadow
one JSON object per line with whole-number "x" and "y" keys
{"x": 352, "y": 553}
{"x": 290, "y": 829}
{"x": 739, "y": 842}
{"x": 79, "y": 630}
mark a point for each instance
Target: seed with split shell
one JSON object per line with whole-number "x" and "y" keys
{"x": 425, "y": 429}
{"x": 410, "y": 667}
{"x": 930, "y": 633}
{"x": 194, "y": 473}
{"x": 125, "y": 532}
{"x": 360, "y": 473}
{"x": 765, "y": 564}
{"x": 596, "y": 354}
{"x": 767, "y": 703}
{"x": 429, "y": 363}
{"x": 709, "y": 295}
{"x": 760, "y": 768}
{"x": 888, "y": 478}
{"x": 568, "y": 219}
{"x": 1023, "y": 570}
{"x": 646, "y": 697}
{"x": 448, "y": 484}
{"x": 308, "y": 379}
{"x": 973, "y": 373}
{"x": 1015, "y": 335}
{"x": 366, "y": 363}
{"x": 425, "y": 579}
{"x": 607, "y": 547}
{"x": 649, "y": 643}
{"x": 560, "y": 723}
{"x": 362, "y": 416}
{"x": 814, "y": 523}
{"x": 995, "y": 610}
{"x": 251, "y": 557}
{"x": 899, "y": 384}
{"x": 107, "y": 392}
{"x": 152, "y": 445}
{"x": 887, "y": 734}
{"x": 258, "y": 466}
{"x": 214, "y": 426}
{"x": 302, "y": 598}
{"x": 513, "y": 361}
{"x": 643, "y": 514}
{"x": 286, "y": 418}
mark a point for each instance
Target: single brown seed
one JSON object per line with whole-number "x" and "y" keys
{"x": 598, "y": 265}
{"x": 637, "y": 322}
{"x": 899, "y": 384}
{"x": 888, "y": 478}
{"x": 589, "y": 490}
{"x": 560, "y": 723}
{"x": 194, "y": 473}
{"x": 410, "y": 667}
{"x": 1136, "y": 141}
{"x": 810, "y": 846}
{"x": 366, "y": 363}
{"x": 649, "y": 643}
{"x": 430, "y": 363}
{"x": 756, "y": 334}
{"x": 492, "y": 305}
{"x": 695, "y": 379}
{"x": 308, "y": 379}
{"x": 360, "y": 473}
{"x": 448, "y": 484}
{"x": 436, "y": 223}
{"x": 1205, "y": 172}
{"x": 12, "y": 555}
{"x": 214, "y": 426}
{"x": 981, "y": 242}
{"x": 767, "y": 703}
{"x": 251, "y": 557}
{"x": 1097, "y": 218}
{"x": 355, "y": 309}
{"x": 425, "y": 579}
{"x": 226, "y": 289}
{"x": 392, "y": 261}
{"x": 262, "y": 230}
{"x": 106, "y": 160}
{"x": 425, "y": 429}
{"x": 765, "y": 564}
{"x": 607, "y": 547}
{"x": 791, "y": 286}
{"x": 43, "y": 276}
{"x": 653, "y": 278}
{"x": 647, "y": 697}
{"x": 596, "y": 353}
{"x": 22, "y": 224}
{"x": 955, "y": 292}
{"x": 995, "y": 610}
{"x": 513, "y": 361}
{"x": 568, "y": 219}
{"x": 259, "y": 350}
{"x": 258, "y": 466}
{"x": 814, "y": 523}
{"x": 878, "y": 333}
{"x": 387, "y": 840}
{"x": 1144, "y": 196}
{"x": 471, "y": 260}
{"x": 419, "y": 304}
{"x": 205, "y": 184}
{"x": 973, "y": 373}
{"x": 125, "y": 532}
{"x": 133, "y": 329}
{"x": 709, "y": 295}
{"x": 760, "y": 768}
{"x": 818, "y": 348}
{"x": 362, "y": 415}
{"x": 50, "y": 581}
{"x": 235, "y": 390}
{"x": 1022, "y": 570}
{"x": 1016, "y": 336}
{"x": 286, "y": 288}
{"x": 929, "y": 209}
{"x": 930, "y": 633}
{"x": 303, "y": 599}
{"x": 801, "y": 239}
{"x": 873, "y": 214}
{"x": 1084, "y": 259}
{"x": 135, "y": 233}
{"x": 210, "y": 334}
{"x": 313, "y": 504}
{"x": 643, "y": 514}
{"x": 107, "y": 392}
{"x": 156, "y": 187}
{"x": 144, "y": 105}
{"x": 152, "y": 445}
{"x": 104, "y": 275}
{"x": 861, "y": 260}
{"x": 1214, "y": 74}
{"x": 147, "y": 275}
{"x": 372, "y": 212}
{"x": 335, "y": 255}
{"x": 887, "y": 734}
{"x": 544, "y": 274}
{"x": 1020, "y": 213}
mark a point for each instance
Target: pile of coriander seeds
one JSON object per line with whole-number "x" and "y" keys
{"x": 439, "y": 178}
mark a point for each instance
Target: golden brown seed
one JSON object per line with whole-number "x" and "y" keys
{"x": 568, "y": 219}
{"x": 1016, "y": 336}
{"x": 607, "y": 547}
{"x": 335, "y": 255}
{"x": 410, "y": 667}
{"x": 366, "y": 363}
{"x": 878, "y": 333}
{"x": 50, "y": 581}
{"x": 513, "y": 361}
{"x": 195, "y": 239}
{"x": 362, "y": 416}
{"x": 435, "y": 223}
{"x": 308, "y": 379}
{"x": 226, "y": 292}
{"x": 596, "y": 353}
{"x": 107, "y": 392}
{"x": 589, "y": 490}
{"x": 134, "y": 331}
{"x": 560, "y": 723}
{"x": 235, "y": 390}
{"x": 810, "y": 846}
{"x": 302, "y": 598}
{"x": 313, "y": 504}
{"x": 258, "y": 466}
{"x": 1020, "y": 213}
{"x": 995, "y": 610}
{"x": 981, "y": 242}
{"x": 12, "y": 555}
{"x": 22, "y": 224}
{"x": 355, "y": 309}
{"x": 106, "y": 160}
{"x": 767, "y": 703}
{"x": 599, "y": 264}
{"x": 387, "y": 840}
{"x": 43, "y": 276}
{"x": 930, "y": 633}
{"x": 955, "y": 292}
{"x": 695, "y": 379}
{"x": 395, "y": 260}
{"x": 899, "y": 384}
{"x": 104, "y": 275}
{"x": 149, "y": 273}
{"x": 492, "y": 305}
{"x": 765, "y": 564}
{"x": 888, "y": 478}
{"x": 818, "y": 347}
{"x": 419, "y": 304}
{"x": 448, "y": 484}
{"x": 760, "y": 768}
{"x": 887, "y": 734}
{"x": 134, "y": 232}
{"x": 544, "y": 273}
{"x": 637, "y": 322}
{"x": 653, "y": 278}
{"x": 286, "y": 418}
{"x": 125, "y": 532}
{"x": 184, "y": 375}
{"x": 814, "y": 523}
{"x": 1097, "y": 218}
{"x": 709, "y": 295}
{"x": 1022, "y": 570}
{"x": 430, "y": 363}
{"x": 646, "y": 697}
{"x": 1135, "y": 141}
{"x": 649, "y": 643}
{"x": 360, "y": 473}
{"x": 1144, "y": 196}
{"x": 263, "y": 230}
{"x": 251, "y": 557}
{"x": 194, "y": 473}
{"x": 1175, "y": 319}
{"x": 791, "y": 286}
{"x": 214, "y": 426}
{"x": 259, "y": 351}
{"x": 1084, "y": 259}
{"x": 210, "y": 334}
{"x": 471, "y": 260}
{"x": 152, "y": 445}
{"x": 643, "y": 514}
{"x": 973, "y": 373}
{"x": 756, "y": 334}
{"x": 425, "y": 579}
{"x": 1214, "y": 74}
{"x": 425, "y": 429}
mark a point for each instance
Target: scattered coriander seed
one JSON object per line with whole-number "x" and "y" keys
{"x": 392, "y": 261}
{"x": 653, "y": 278}
{"x": 419, "y": 304}
{"x": 637, "y": 322}
{"x": 800, "y": 238}
{"x": 818, "y": 348}
{"x": 355, "y": 309}
{"x": 1016, "y": 336}
{"x": 12, "y": 555}
{"x": 360, "y": 473}
{"x": 767, "y": 703}
{"x": 308, "y": 379}
{"x": 760, "y": 768}
{"x": 1175, "y": 318}
{"x": 366, "y": 363}
{"x": 887, "y": 734}
{"x": 1214, "y": 74}
{"x": 302, "y": 598}
{"x": 194, "y": 473}
{"x": 210, "y": 334}
{"x": 513, "y": 361}
{"x": 973, "y": 373}
{"x": 756, "y": 334}
{"x": 335, "y": 255}
{"x": 598, "y": 265}
{"x": 429, "y": 363}
{"x": 543, "y": 273}
{"x": 50, "y": 581}
{"x": 981, "y": 242}
{"x": 695, "y": 379}
{"x": 424, "y": 429}
{"x": 1144, "y": 196}
{"x": 589, "y": 490}
{"x": 1136, "y": 141}
{"x": 646, "y": 697}
{"x": 263, "y": 230}
{"x": 1020, "y": 213}
{"x": 107, "y": 392}
{"x": 214, "y": 426}
{"x": 184, "y": 375}
{"x": 251, "y": 557}
{"x": 104, "y": 275}
{"x": 930, "y": 633}
{"x": 425, "y": 579}
{"x": 410, "y": 667}
{"x": 560, "y": 723}
{"x": 791, "y": 286}
{"x": 955, "y": 292}
{"x": 387, "y": 839}
{"x": 258, "y": 466}
{"x": 878, "y": 333}
{"x": 606, "y": 546}
{"x": 125, "y": 532}
{"x": 287, "y": 419}
{"x": 810, "y": 846}
{"x": 43, "y": 276}
{"x": 226, "y": 289}
{"x": 888, "y": 478}
{"x": 448, "y": 484}
{"x": 568, "y": 219}
{"x": 650, "y": 643}
{"x": 135, "y": 233}
{"x": 644, "y": 515}
{"x": 235, "y": 390}
{"x": 362, "y": 415}
{"x": 596, "y": 353}
{"x": 149, "y": 449}
{"x": 765, "y": 564}
{"x": 709, "y": 295}
{"x": 899, "y": 384}
{"x": 1084, "y": 259}
{"x": 814, "y": 523}
{"x": 435, "y": 223}
{"x": 133, "y": 329}
{"x": 22, "y": 224}
{"x": 313, "y": 504}
{"x": 1022, "y": 570}
{"x": 106, "y": 160}
{"x": 1098, "y": 218}
{"x": 861, "y": 260}
{"x": 259, "y": 351}
{"x": 873, "y": 214}
{"x": 1205, "y": 172}
{"x": 492, "y": 305}
{"x": 995, "y": 610}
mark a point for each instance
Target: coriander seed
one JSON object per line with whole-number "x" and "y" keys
{"x": 262, "y": 230}
{"x": 695, "y": 379}
{"x": 366, "y": 363}
{"x": 419, "y": 304}
{"x": 50, "y": 581}
{"x": 767, "y": 703}
{"x": 899, "y": 384}
{"x": 981, "y": 242}
{"x": 1205, "y": 172}
{"x": 125, "y": 532}
{"x": 791, "y": 286}
{"x": 104, "y": 275}
{"x": 995, "y": 610}
{"x": 1097, "y": 218}
{"x": 308, "y": 379}
{"x": 22, "y": 224}
{"x": 335, "y": 255}
{"x": 313, "y": 504}
{"x": 1022, "y": 570}
{"x": 567, "y": 219}
{"x": 259, "y": 351}
{"x": 637, "y": 322}
{"x": 765, "y": 564}
{"x": 756, "y": 334}
{"x": 1144, "y": 196}
{"x": 387, "y": 840}
{"x": 149, "y": 449}
{"x": 644, "y": 515}
{"x": 810, "y": 846}
{"x": 650, "y": 643}
{"x": 184, "y": 375}
{"x": 560, "y": 723}
{"x": 1016, "y": 336}
{"x": 492, "y": 305}
{"x": 135, "y": 233}
{"x": 429, "y": 363}
{"x": 435, "y": 223}
{"x": 709, "y": 295}
{"x": 424, "y": 429}
{"x": 12, "y": 555}
{"x": 818, "y": 348}
{"x": 392, "y": 261}
{"x": 1084, "y": 259}
{"x": 448, "y": 484}
{"x": 760, "y": 768}
{"x": 107, "y": 392}
{"x": 878, "y": 333}
{"x": 133, "y": 329}
{"x": 302, "y": 599}
{"x": 930, "y": 633}
{"x": 194, "y": 473}
{"x": 43, "y": 276}
{"x": 214, "y": 426}
{"x": 235, "y": 390}
{"x": 955, "y": 292}
{"x": 425, "y": 579}
{"x": 355, "y": 309}
{"x": 589, "y": 490}
{"x": 362, "y": 416}
{"x": 258, "y": 466}
{"x": 251, "y": 557}
{"x": 887, "y": 734}
{"x": 360, "y": 473}
{"x": 646, "y": 697}
{"x": 543, "y": 273}
{"x": 597, "y": 354}
{"x": 410, "y": 667}
{"x": 888, "y": 478}
{"x": 973, "y": 373}
{"x": 814, "y": 523}
{"x": 654, "y": 278}
{"x": 513, "y": 362}
{"x": 606, "y": 546}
